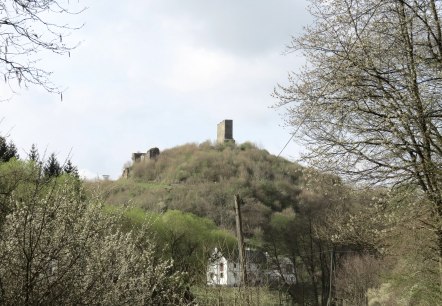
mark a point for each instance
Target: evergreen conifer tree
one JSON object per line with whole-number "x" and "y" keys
{"x": 33, "y": 154}
{"x": 71, "y": 169}
{"x": 52, "y": 167}
{"x": 7, "y": 151}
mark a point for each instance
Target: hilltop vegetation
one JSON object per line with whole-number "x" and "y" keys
{"x": 202, "y": 179}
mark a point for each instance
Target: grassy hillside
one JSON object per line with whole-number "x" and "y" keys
{"x": 202, "y": 179}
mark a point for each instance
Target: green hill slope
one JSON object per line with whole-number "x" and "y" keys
{"x": 202, "y": 179}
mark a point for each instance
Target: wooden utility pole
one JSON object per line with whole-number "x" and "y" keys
{"x": 331, "y": 273}
{"x": 239, "y": 235}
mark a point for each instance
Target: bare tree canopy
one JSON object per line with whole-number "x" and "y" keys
{"x": 27, "y": 28}
{"x": 369, "y": 102}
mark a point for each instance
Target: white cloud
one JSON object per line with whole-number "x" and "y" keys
{"x": 160, "y": 73}
{"x": 196, "y": 69}
{"x": 245, "y": 28}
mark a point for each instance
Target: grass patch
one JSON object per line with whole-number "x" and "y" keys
{"x": 218, "y": 295}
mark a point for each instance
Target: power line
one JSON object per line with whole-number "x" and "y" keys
{"x": 293, "y": 135}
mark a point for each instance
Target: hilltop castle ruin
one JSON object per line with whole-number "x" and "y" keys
{"x": 152, "y": 153}
{"x": 224, "y": 134}
{"x": 225, "y": 131}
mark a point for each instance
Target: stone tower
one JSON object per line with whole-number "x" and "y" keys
{"x": 225, "y": 131}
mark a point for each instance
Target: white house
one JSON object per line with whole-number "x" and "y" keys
{"x": 225, "y": 270}
{"x": 222, "y": 271}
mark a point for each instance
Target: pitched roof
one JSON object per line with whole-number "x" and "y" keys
{"x": 252, "y": 256}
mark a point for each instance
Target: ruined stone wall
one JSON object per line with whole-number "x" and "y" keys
{"x": 225, "y": 131}
{"x": 137, "y": 157}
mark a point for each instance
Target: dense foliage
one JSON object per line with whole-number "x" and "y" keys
{"x": 369, "y": 239}
{"x": 368, "y": 102}
{"x": 62, "y": 245}
{"x": 202, "y": 179}
{"x": 184, "y": 238}
{"x": 59, "y": 247}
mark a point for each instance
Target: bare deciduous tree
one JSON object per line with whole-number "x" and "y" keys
{"x": 26, "y": 29}
{"x": 355, "y": 275}
{"x": 368, "y": 103}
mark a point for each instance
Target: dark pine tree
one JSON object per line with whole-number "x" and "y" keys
{"x": 52, "y": 167}
{"x": 71, "y": 169}
{"x": 7, "y": 151}
{"x": 33, "y": 154}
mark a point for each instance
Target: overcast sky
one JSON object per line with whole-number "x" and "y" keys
{"x": 161, "y": 73}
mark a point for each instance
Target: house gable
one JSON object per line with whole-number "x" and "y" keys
{"x": 225, "y": 271}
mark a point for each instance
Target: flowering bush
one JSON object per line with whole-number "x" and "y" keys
{"x": 58, "y": 247}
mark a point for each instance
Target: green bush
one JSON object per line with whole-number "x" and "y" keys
{"x": 184, "y": 238}
{"x": 58, "y": 247}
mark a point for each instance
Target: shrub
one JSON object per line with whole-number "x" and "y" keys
{"x": 58, "y": 248}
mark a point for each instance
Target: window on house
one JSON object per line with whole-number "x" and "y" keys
{"x": 234, "y": 265}
{"x": 221, "y": 267}
{"x": 221, "y": 275}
